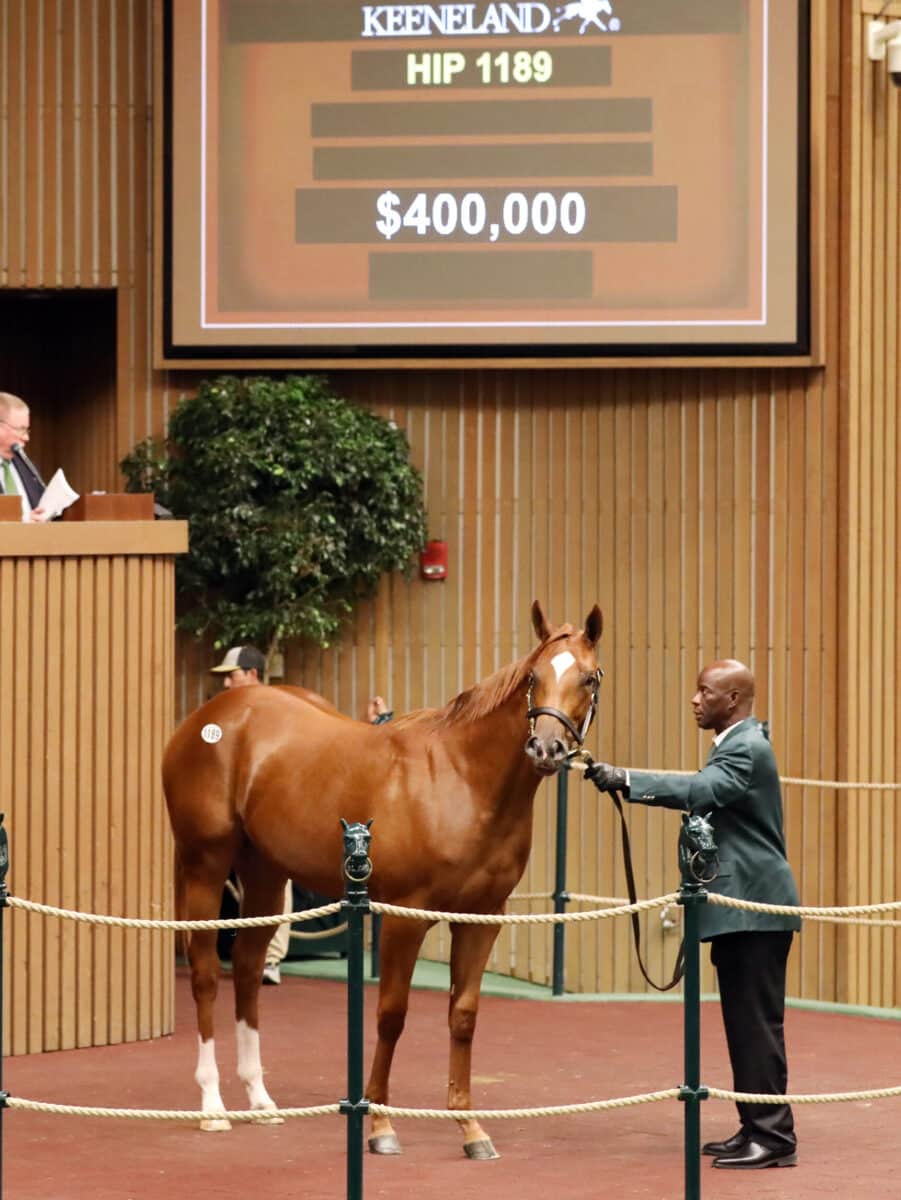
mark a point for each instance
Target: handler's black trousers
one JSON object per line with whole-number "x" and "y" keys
{"x": 750, "y": 968}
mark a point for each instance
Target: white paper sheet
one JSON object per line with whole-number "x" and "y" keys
{"x": 57, "y": 495}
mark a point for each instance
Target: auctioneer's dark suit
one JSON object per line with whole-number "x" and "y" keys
{"x": 738, "y": 789}
{"x": 31, "y": 480}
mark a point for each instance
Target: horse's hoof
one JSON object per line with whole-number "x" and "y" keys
{"x": 217, "y": 1126}
{"x": 264, "y": 1117}
{"x": 481, "y": 1150}
{"x": 385, "y": 1143}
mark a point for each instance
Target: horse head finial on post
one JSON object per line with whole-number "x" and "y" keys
{"x": 698, "y": 856}
{"x": 357, "y": 863}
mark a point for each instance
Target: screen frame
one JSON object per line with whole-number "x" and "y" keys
{"x": 168, "y": 354}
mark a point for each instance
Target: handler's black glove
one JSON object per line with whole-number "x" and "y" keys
{"x": 607, "y": 778}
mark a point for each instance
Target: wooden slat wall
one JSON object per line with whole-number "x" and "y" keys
{"x": 87, "y": 641}
{"x": 748, "y": 511}
{"x": 871, "y": 320}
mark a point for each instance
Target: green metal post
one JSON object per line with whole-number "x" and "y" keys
{"x": 690, "y": 896}
{"x": 4, "y": 903}
{"x": 375, "y": 947}
{"x": 357, "y": 869}
{"x": 561, "y": 895}
{"x": 699, "y": 865}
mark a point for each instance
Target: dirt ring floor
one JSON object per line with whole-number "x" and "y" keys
{"x": 528, "y": 1053}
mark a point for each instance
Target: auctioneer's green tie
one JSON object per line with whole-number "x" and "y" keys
{"x": 9, "y": 480}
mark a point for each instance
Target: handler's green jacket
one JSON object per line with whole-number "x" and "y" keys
{"x": 738, "y": 791}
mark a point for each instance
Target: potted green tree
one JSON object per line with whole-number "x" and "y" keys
{"x": 298, "y": 502}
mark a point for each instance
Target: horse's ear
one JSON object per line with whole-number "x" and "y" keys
{"x": 594, "y": 624}
{"x": 539, "y": 622}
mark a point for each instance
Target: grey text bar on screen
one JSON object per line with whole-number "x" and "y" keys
{"x": 529, "y": 276}
{"x": 491, "y": 162}
{"x": 481, "y": 117}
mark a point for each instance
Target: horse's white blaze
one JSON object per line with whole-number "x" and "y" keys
{"x": 561, "y": 663}
{"x": 250, "y": 1066}
{"x": 207, "y": 1076}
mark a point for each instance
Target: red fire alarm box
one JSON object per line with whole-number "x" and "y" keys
{"x": 433, "y": 560}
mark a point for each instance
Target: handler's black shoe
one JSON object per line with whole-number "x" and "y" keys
{"x": 738, "y": 1141}
{"x": 754, "y": 1156}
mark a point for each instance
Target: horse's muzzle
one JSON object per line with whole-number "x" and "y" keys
{"x": 547, "y": 755}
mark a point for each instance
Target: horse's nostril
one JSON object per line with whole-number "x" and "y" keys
{"x": 558, "y": 750}
{"x": 535, "y": 747}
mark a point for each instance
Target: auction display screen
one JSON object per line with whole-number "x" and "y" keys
{"x": 593, "y": 177}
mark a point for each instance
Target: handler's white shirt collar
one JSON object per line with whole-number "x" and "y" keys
{"x": 719, "y": 737}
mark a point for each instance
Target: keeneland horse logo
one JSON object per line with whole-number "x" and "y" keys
{"x": 589, "y": 11}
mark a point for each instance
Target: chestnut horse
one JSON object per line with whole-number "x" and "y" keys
{"x": 258, "y": 779}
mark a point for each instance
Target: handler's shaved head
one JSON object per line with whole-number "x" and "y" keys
{"x": 725, "y": 694}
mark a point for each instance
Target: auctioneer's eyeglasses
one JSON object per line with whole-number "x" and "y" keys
{"x": 20, "y": 429}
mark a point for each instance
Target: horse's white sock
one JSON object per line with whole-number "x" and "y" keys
{"x": 250, "y": 1066}
{"x": 207, "y": 1076}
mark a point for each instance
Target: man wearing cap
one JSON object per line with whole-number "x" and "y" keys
{"x": 17, "y": 474}
{"x": 242, "y": 666}
{"x": 245, "y": 666}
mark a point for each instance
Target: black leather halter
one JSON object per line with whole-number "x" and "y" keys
{"x": 543, "y": 710}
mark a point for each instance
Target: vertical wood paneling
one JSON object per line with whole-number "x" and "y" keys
{"x": 868, "y": 846}
{"x": 90, "y": 639}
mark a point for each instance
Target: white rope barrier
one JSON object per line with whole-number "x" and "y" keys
{"x": 396, "y": 910}
{"x": 804, "y": 1098}
{"x": 852, "y": 914}
{"x": 334, "y": 931}
{"x": 826, "y": 914}
{"x": 266, "y": 1116}
{"x": 521, "y": 1114}
{"x": 840, "y": 785}
{"x": 262, "y": 1117}
{"x": 48, "y": 910}
{"x": 66, "y": 914}
{"x": 250, "y": 1116}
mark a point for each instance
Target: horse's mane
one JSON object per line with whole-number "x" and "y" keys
{"x": 487, "y": 696}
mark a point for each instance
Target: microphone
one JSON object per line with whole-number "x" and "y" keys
{"x": 19, "y": 453}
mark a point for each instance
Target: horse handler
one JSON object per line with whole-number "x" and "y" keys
{"x": 738, "y": 791}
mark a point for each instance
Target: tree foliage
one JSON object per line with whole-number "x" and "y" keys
{"x": 298, "y": 503}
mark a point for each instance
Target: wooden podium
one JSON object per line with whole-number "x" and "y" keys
{"x": 111, "y": 506}
{"x": 95, "y": 506}
{"x": 87, "y": 641}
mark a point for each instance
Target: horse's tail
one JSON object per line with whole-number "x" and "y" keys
{"x": 182, "y": 936}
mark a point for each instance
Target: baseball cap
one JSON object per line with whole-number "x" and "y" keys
{"x": 241, "y": 658}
